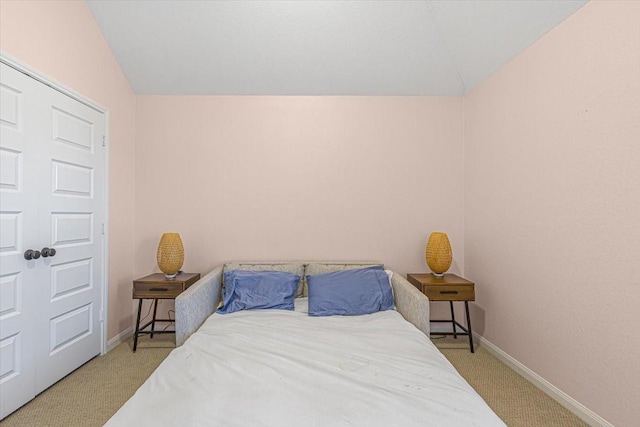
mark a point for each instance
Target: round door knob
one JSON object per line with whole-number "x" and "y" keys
{"x": 31, "y": 254}
{"x": 48, "y": 252}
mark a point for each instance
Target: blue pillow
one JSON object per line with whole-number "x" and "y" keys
{"x": 246, "y": 290}
{"x": 349, "y": 292}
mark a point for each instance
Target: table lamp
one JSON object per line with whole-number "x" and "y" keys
{"x": 170, "y": 254}
{"x": 438, "y": 253}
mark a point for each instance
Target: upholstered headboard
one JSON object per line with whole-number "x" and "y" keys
{"x": 300, "y": 268}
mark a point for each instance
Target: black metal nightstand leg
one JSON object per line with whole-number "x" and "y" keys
{"x": 135, "y": 335}
{"x": 153, "y": 322}
{"x": 466, "y": 308}
{"x": 453, "y": 320}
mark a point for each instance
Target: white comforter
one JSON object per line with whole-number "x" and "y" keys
{"x": 284, "y": 368}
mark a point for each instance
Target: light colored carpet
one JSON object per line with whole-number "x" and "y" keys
{"x": 516, "y": 401}
{"x": 90, "y": 395}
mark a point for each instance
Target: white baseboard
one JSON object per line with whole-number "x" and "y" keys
{"x": 120, "y": 338}
{"x": 577, "y": 408}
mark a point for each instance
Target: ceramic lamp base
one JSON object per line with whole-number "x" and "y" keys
{"x": 438, "y": 274}
{"x": 170, "y": 276}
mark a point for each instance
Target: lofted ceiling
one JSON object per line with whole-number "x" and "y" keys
{"x": 320, "y": 47}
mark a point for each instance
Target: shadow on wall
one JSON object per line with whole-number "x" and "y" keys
{"x": 477, "y": 314}
{"x": 440, "y": 310}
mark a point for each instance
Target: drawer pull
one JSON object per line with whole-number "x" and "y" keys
{"x": 448, "y": 292}
{"x": 158, "y": 289}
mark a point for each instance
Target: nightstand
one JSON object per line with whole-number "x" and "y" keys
{"x": 447, "y": 288}
{"x": 157, "y": 286}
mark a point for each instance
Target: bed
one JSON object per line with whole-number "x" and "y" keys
{"x": 292, "y": 367}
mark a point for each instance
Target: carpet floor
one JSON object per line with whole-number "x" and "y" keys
{"x": 513, "y": 398}
{"x": 91, "y": 394}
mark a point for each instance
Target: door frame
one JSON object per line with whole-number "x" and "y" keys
{"x": 52, "y": 83}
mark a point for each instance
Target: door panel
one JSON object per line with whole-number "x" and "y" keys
{"x": 71, "y": 277}
{"x": 11, "y": 103}
{"x": 72, "y": 180}
{"x": 10, "y": 295}
{"x": 71, "y": 228}
{"x": 73, "y": 222}
{"x": 70, "y": 327}
{"x": 18, "y": 232}
{"x": 10, "y": 232}
{"x": 10, "y": 165}
{"x": 9, "y": 356}
{"x": 72, "y": 130}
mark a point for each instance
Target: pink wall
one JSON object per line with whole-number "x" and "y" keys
{"x": 552, "y": 203}
{"x": 298, "y": 178}
{"x": 62, "y": 40}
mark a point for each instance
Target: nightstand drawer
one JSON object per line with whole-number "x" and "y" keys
{"x": 450, "y": 293}
{"x": 157, "y": 290}
{"x": 158, "y": 286}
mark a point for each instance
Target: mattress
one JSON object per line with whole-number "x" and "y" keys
{"x": 285, "y": 368}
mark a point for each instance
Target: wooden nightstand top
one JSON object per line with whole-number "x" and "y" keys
{"x": 158, "y": 286}
{"x": 446, "y": 288}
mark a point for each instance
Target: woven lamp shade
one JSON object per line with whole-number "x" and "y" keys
{"x": 438, "y": 253}
{"x": 170, "y": 254}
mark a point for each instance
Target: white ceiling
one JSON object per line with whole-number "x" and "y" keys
{"x": 320, "y": 47}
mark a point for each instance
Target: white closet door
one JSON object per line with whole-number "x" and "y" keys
{"x": 51, "y": 195}
{"x": 70, "y": 220}
{"x": 19, "y": 192}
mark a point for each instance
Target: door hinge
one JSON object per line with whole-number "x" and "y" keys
{"x": 103, "y": 228}
{"x": 104, "y": 140}
{"x": 101, "y": 315}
